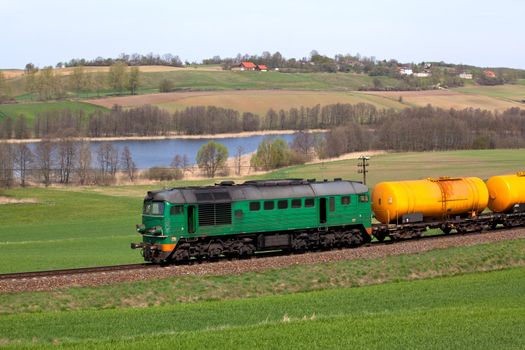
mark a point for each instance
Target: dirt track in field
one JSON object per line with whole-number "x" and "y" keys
{"x": 373, "y": 251}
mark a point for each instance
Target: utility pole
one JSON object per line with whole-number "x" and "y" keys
{"x": 362, "y": 167}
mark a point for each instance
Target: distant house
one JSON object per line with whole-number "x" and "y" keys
{"x": 489, "y": 74}
{"x": 245, "y": 66}
{"x": 466, "y": 76}
{"x": 423, "y": 74}
{"x": 405, "y": 71}
{"x": 261, "y": 68}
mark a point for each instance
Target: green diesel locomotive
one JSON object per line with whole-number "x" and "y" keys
{"x": 232, "y": 220}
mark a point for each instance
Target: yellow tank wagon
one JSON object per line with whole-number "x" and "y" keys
{"x": 507, "y": 193}
{"x": 406, "y": 209}
{"x": 394, "y": 202}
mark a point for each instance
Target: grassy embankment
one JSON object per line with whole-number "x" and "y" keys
{"x": 73, "y": 227}
{"x": 480, "y": 310}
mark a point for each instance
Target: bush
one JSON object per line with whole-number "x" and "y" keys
{"x": 163, "y": 174}
{"x": 166, "y": 85}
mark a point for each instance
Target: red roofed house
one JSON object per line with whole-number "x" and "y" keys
{"x": 262, "y": 68}
{"x": 489, "y": 74}
{"x": 245, "y": 66}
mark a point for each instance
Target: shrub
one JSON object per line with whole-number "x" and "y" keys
{"x": 163, "y": 174}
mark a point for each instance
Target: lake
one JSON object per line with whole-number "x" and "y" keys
{"x": 148, "y": 153}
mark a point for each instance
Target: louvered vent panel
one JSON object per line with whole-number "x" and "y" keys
{"x": 215, "y": 214}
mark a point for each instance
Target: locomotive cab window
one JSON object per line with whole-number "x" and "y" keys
{"x": 269, "y": 205}
{"x": 254, "y": 206}
{"x": 153, "y": 208}
{"x": 296, "y": 203}
{"x": 282, "y": 204}
{"x": 345, "y": 200}
{"x": 176, "y": 210}
{"x": 309, "y": 202}
{"x": 363, "y": 198}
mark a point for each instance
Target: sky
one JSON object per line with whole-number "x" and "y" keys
{"x": 482, "y": 33}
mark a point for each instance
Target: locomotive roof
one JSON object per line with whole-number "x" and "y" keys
{"x": 257, "y": 190}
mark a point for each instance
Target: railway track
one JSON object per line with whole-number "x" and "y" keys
{"x": 75, "y": 271}
{"x": 259, "y": 255}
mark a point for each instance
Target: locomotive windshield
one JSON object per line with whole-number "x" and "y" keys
{"x": 153, "y": 208}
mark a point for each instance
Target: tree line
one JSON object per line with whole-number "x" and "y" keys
{"x": 64, "y": 161}
{"x": 134, "y": 59}
{"x": 47, "y": 83}
{"x": 152, "y": 121}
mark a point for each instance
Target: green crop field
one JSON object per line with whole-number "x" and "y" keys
{"x": 30, "y": 110}
{"x": 403, "y": 166}
{"x": 66, "y": 229}
{"x": 90, "y": 226}
{"x": 514, "y": 92}
{"x": 231, "y": 80}
{"x": 480, "y": 310}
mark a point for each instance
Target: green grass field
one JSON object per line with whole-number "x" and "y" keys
{"x": 66, "y": 229}
{"x": 231, "y": 80}
{"x": 74, "y": 227}
{"x": 514, "y": 92}
{"x": 481, "y": 311}
{"x": 30, "y": 110}
{"x": 404, "y": 166}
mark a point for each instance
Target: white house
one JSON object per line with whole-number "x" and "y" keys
{"x": 466, "y": 76}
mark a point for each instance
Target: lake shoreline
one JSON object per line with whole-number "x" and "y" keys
{"x": 174, "y": 136}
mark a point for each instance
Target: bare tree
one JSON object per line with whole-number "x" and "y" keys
{"x": 84, "y": 162}
{"x": 107, "y": 158}
{"x": 66, "y": 156}
{"x": 117, "y": 77}
{"x": 6, "y": 165}
{"x": 44, "y": 155}
{"x": 21, "y": 129}
{"x": 23, "y": 160}
{"x": 77, "y": 79}
{"x": 6, "y": 132}
{"x": 181, "y": 162}
{"x": 134, "y": 80}
{"x": 238, "y": 159}
{"x": 127, "y": 164}
{"x": 302, "y": 144}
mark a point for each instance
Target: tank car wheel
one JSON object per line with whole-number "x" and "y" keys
{"x": 446, "y": 230}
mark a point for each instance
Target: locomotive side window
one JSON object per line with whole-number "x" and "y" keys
{"x": 309, "y": 202}
{"x": 269, "y": 205}
{"x": 176, "y": 210}
{"x": 363, "y": 198}
{"x": 282, "y": 204}
{"x": 153, "y": 208}
{"x": 296, "y": 203}
{"x": 332, "y": 204}
{"x": 345, "y": 200}
{"x": 254, "y": 206}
